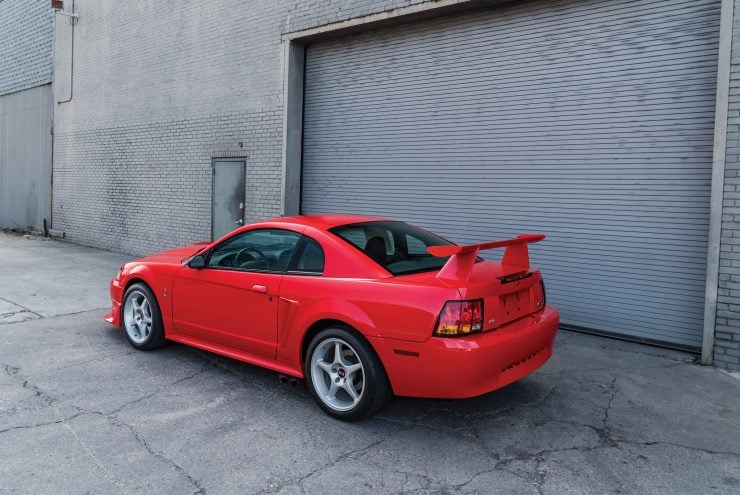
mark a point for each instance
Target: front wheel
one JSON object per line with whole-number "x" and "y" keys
{"x": 344, "y": 375}
{"x": 142, "y": 318}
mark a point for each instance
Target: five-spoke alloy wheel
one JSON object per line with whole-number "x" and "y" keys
{"x": 337, "y": 374}
{"x": 344, "y": 375}
{"x": 141, "y": 318}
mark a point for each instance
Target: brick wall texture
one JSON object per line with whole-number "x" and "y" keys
{"x": 727, "y": 346}
{"x": 26, "y": 28}
{"x": 160, "y": 89}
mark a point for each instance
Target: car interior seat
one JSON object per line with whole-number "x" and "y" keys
{"x": 375, "y": 249}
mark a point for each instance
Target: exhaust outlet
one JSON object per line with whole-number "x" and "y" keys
{"x": 294, "y": 382}
{"x": 283, "y": 379}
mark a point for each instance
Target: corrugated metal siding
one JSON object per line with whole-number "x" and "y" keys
{"x": 591, "y": 121}
{"x": 25, "y": 157}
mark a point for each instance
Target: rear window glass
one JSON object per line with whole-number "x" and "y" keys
{"x": 398, "y": 247}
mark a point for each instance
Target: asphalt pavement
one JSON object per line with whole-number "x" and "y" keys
{"x": 81, "y": 411}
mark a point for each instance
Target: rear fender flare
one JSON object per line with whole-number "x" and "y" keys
{"x": 300, "y": 323}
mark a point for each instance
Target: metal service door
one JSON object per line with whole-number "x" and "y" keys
{"x": 228, "y": 197}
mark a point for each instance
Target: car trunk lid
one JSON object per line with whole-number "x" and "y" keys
{"x": 509, "y": 289}
{"x": 505, "y": 297}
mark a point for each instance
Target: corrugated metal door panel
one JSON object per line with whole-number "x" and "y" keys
{"x": 25, "y": 157}
{"x": 589, "y": 120}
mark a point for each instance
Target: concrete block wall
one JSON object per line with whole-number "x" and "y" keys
{"x": 25, "y": 44}
{"x": 158, "y": 90}
{"x": 727, "y": 330}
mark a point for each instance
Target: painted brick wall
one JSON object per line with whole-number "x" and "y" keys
{"x": 312, "y": 13}
{"x": 727, "y": 347}
{"x": 26, "y": 28}
{"x": 157, "y": 92}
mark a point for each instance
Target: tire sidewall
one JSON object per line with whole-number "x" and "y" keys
{"x": 156, "y": 336}
{"x": 374, "y": 374}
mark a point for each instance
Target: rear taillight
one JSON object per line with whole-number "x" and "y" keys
{"x": 540, "y": 295}
{"x": 460, "y": 318}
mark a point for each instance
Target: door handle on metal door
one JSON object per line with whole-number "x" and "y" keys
{"x": 239, "y": 222}
{"x": 259, "y": 288}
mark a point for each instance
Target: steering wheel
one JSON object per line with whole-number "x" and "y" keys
{"x": 251, "y": 252}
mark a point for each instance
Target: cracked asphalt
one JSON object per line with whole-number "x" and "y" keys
{"x": 83, "y": 412}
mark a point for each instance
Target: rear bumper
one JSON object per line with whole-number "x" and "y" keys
{"x": 116, "y": 294}
{"x": 457, "y": 368}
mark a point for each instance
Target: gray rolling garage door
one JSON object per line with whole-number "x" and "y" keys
{"x": 591, "y": 121}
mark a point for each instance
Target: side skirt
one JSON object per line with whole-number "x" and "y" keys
{"x": 238, "y": 355}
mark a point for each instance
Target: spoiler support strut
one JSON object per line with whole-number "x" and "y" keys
{"x": 462, "y": 258}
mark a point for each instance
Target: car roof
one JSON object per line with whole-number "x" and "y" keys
{"x": 327, "y": 221}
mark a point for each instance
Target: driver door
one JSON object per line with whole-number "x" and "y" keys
{"x": 233, "y": 300}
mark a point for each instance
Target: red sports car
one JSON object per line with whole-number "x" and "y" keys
{"x": 361, "y": 307}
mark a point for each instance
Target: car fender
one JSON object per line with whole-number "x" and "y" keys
{"x": 158, "y": 286}
{"x": 295, "y": 323}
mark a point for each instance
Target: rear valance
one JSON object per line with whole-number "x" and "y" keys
{"x": 460, "y": 265}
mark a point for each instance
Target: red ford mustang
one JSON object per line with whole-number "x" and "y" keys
{"x": 361, "y": 307}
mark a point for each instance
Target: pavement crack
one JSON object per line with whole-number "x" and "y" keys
{"x": 605, "y": 434}
{"x": 682, "y": 446}
{"x": 199, "y": 489}
{"x": 13, "y": 372}
{"x": 343, "y": 457}
{"x": 46, "y": 423}
{"x": 155, "y": 392}
{"x": 28, "y": 310}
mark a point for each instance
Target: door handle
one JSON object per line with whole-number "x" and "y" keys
{"x": 259, "y": 288}
{"x": 239, "y": 222}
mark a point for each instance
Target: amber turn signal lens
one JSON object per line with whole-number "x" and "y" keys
{"x": 460, "y": 318}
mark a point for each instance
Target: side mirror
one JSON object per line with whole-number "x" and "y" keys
{"x": 197, "y": 262}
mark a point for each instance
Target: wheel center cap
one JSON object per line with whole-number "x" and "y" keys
{"x": 341, "y": 373}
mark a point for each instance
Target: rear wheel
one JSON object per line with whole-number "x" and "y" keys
{"x": 142, "y": 319}
{"x": 344, "y": 375}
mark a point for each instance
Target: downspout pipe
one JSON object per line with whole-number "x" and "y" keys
{"x": 73, "y": 20}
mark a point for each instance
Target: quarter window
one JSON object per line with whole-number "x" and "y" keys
{"x": 264, "y": 250}
{"x": 309, "y": 258}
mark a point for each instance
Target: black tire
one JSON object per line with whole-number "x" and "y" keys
{"x": 143, "y": 341}
{"x": 376, "y": 390}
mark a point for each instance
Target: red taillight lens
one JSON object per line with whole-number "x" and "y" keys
{"x": 540, "y": 296}
{"x": 460, "y": 318}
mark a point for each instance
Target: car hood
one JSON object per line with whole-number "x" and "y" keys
{"x": 176, "y": 255}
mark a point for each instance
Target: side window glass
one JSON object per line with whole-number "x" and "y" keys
{"x": 256, "y": 250}
{"x": 309, "y": 259}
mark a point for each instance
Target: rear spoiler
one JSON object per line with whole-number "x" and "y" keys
{"x": 460, "y": 266}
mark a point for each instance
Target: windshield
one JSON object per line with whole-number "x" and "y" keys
{"x": 398, "y": 247}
